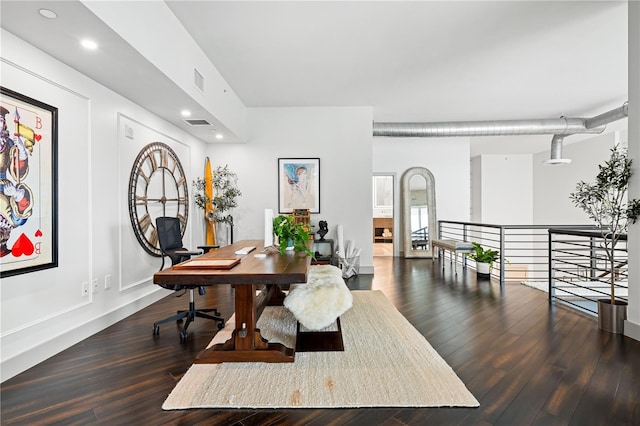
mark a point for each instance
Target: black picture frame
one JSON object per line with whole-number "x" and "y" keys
{"x": 29, "y": 239}
{"x": 298, "y": 184}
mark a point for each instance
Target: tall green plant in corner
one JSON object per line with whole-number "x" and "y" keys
{"x": 606, "y": 202}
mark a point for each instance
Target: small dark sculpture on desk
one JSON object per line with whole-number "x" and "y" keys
{"x": 324, "y": 228}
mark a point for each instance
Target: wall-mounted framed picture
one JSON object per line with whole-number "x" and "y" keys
{"x": 298, "y": 184}
{"x": 28, "y": 190}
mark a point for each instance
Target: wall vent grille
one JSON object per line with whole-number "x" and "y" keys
{"x": 198, "y": 80}
{"x": 198, "y": 122}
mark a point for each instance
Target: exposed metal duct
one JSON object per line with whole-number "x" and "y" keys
{"x": 608, "y": 117}
{"x": 595, "y": 122}
{"x": 556, "y": 152}
{"x": 554, "y": 126}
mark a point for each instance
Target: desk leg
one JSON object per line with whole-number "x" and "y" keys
{"x": 276, "y": 297}
{"x": 246, "y": 342}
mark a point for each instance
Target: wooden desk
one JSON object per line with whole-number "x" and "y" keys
{"x": 251, "y": 275}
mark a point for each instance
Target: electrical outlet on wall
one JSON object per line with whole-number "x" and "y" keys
{"x": 107, "y": 282}
{"x": 85, "y": 288}
{"x": 94, "y": 285}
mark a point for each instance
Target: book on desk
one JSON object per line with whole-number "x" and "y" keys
{"x": 208, "y": 264}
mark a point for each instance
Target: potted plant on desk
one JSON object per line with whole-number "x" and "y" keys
{"x": 291, "y": 234}
{"x": 484, "y": 259}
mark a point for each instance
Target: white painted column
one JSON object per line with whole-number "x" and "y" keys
{"x": 632, "y": 325}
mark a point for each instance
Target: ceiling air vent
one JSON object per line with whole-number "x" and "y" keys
{"x": 198, "y": 122}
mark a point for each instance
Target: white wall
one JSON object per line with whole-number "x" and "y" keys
{"x": 44, "y": 312}
{"x": 502, "y": 189}
{"x": 340, "y": 137}
{"x": 153, "y": 30}
{"x": 632, "y": 325}
{"x": 446, "y": 158}
{"x": 554, "y": 184}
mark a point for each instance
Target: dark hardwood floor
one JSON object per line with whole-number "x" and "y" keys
{"x": 528, "y": 363}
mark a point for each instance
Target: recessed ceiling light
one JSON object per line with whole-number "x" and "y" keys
{"x": 88, "y": 44}
{"x": 185, "y": 113}
{"x": 219, "y": 136}
{"x": 49, "y": 14}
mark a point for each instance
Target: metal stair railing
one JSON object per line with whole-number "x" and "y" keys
{"x": 523, "y": 249}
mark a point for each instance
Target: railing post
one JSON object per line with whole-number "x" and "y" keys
{"x": 501, "y": 259}
{"x": 550, "y": 260}
{"x": 593, "y": 264}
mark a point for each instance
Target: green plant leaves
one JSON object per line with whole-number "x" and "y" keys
{"x": 225, "y": 197}
{"x": 286, "y": 229}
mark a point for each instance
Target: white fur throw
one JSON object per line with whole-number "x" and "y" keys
{"x": 317, "y": 303}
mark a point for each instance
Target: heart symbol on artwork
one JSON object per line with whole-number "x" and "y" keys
{"x": 38, "y": 233}
{"x": 22, "y": 246}
{"x": 37, "y": 137}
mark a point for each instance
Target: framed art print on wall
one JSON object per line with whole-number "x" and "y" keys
{"x": 28, "y": 184}
{"x": 298, "y": 184}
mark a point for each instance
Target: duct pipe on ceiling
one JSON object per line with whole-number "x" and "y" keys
{"x": 608, "y": 117}
{"x": 555, "y": 126}
{"x": 597, "y": 121}
{"x": 556, "y": 151}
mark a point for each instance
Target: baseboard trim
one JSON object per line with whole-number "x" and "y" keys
{"x": 36, "y": 354}
{"x": 366, "y": 270}
{"x": 631, "y": 329}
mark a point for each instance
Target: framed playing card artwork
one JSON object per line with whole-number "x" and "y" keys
{"x": 28, "y": 184}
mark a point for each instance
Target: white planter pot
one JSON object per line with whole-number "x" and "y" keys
{"x": 483, "y": 269}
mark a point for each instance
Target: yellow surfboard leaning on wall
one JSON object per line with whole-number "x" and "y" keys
{"x": 208, "y": 190}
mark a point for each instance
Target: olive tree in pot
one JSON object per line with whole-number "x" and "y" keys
{"x": 225, "y": 197}
{"x": 484, "y": 259}
{"x": 606, "y": 202}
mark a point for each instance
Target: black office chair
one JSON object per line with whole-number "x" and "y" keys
{"x": 170, "y": 239}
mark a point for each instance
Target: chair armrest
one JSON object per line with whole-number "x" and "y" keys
{"x": 187, "y": 252}
{"x": 207, "y": 248}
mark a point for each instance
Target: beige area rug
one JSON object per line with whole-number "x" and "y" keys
{"x": 386, "y": 363}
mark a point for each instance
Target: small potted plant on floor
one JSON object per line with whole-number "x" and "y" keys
{"x": 484, "y": 259}
{"x": 606, "y": 202}
{"x": 291, "y": 234}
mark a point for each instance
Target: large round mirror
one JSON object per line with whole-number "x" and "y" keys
{"x": 418, "y": 212}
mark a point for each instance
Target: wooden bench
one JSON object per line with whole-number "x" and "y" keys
{"x": 454, "y": 247}
{"x": 317, "y": 305}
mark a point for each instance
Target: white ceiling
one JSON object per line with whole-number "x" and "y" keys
{"x": 411, "y": 61}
